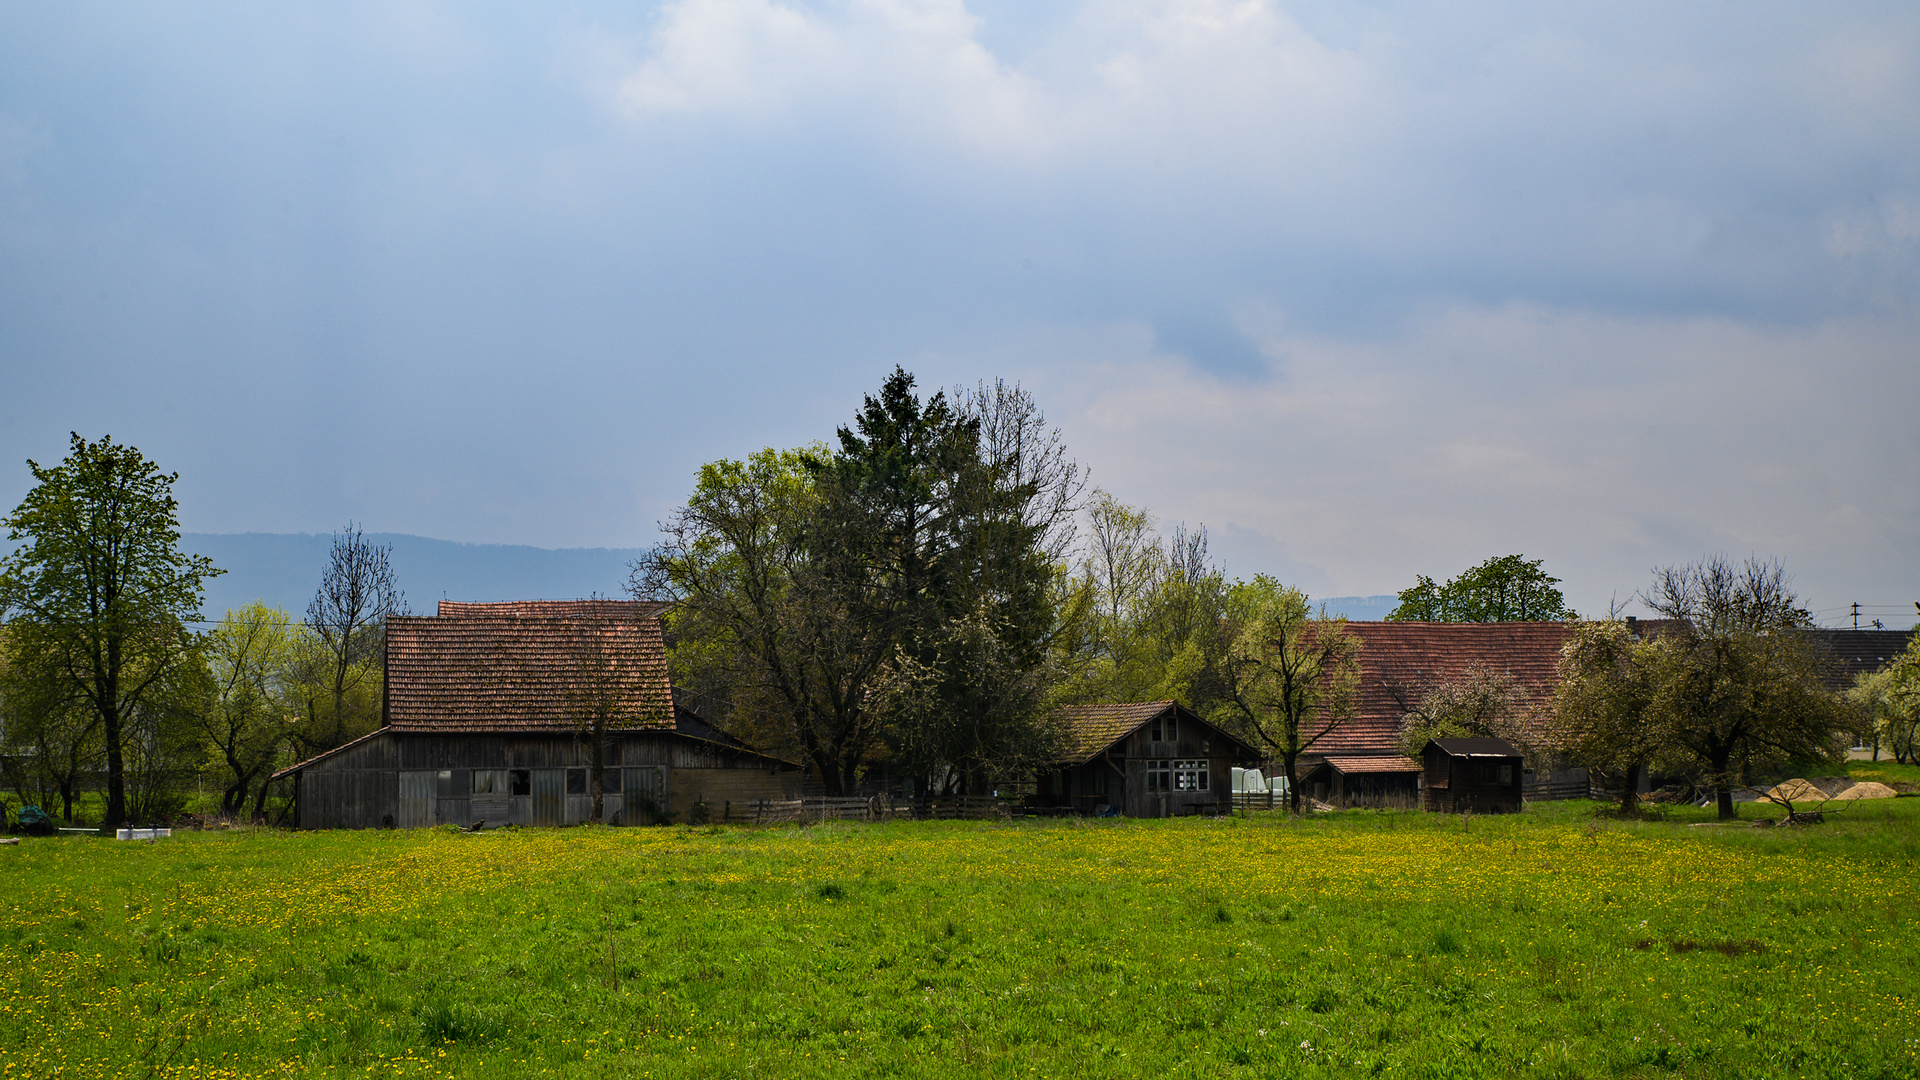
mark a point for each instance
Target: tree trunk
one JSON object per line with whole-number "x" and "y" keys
{"x": 1293, "y": 785}
{"x": 1723, "y": 791}
{"x": 1630, "y": 798}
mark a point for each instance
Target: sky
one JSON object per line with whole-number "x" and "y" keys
{"x": 1369, "y": 290}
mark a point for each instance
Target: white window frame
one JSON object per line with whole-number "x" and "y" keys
{"x": 1192, "y": 774}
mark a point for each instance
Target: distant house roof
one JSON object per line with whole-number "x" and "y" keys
{"x": 1476, "y": 747}
{"x": 1087, "y": 730}
{"x": 1857, "y": 652}
{"x": 524, "y": 671}
{"x": 1401, "y": 661}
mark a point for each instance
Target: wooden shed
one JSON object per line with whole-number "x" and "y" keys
{"x": 480, "y": 723}
{"x": 1342, "y": 778}
{"x": 1143, "y": 759}
{"x": 1481, "y": 775}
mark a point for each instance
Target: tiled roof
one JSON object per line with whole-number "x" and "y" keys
{"x": 1477, "y": 747}
{"x": 525, "y": 672}
{"x": 1854, "y": 652}
{"x": 1089, "y": 729}
{"x": 1375, "y": 763}
{"x": 1412, "y": 657}
{"x": 628, "y": 609}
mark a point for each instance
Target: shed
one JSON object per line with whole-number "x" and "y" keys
{"x": 480, "y": 724}
{"x": 1140, "y": 759}
{"x": 1341, "y": 777}
{"x": 1482, "y": 775}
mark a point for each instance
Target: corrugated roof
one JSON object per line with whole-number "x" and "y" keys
{"x": 525, "y": 672}
{"x": 1412, "y": 657}
{"x": 1089, "y": 729}
{"x": 1479, "y": 747}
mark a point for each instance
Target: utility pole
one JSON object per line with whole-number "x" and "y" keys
{"x": 1856, "y": 614}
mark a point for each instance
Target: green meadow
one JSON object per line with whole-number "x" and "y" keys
{"x": 1554, "y": 943}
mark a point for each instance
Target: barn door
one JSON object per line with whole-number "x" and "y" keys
{"x": 416, "y": 799}
{"x": 550, "y": 797}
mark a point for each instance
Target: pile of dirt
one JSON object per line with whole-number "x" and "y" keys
{"x": 1798, "y": 791}
{"x": 1867, "y": 789}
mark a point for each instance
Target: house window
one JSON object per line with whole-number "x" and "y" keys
{"x": 519, "y": 782}
{"x": 576, "y": 781}
{"x": 489, "y": 781}
{"x": 1191, "y": 775}
{"x": 1166, "y": 728}
{"x": 1159, "y": 776}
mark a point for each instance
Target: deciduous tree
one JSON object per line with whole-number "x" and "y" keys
{"x": 100, "y": 590}
{"x": 347, "y": 618}
{"x": 1293, "y": 672}
{"x": 1507, "y": 588}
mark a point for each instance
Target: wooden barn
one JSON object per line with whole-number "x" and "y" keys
{"x": 481, "y": 722}
{"x": 1481, "y": 775}
{"x": 1147, "y": 759}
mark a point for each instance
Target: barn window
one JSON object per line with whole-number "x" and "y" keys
{"x": 1506, "y": 774}
{"x": 1191, "y": 775}
{"x": 1166, "y": 728}
{"x": 576, "y": 781}
{"x": 519, "y": 782}
{"x": 1159, "y": 776}
{"x": 610, "y": 781}
{"x": 489, "y": 781}
{"x": 450, "y": 784}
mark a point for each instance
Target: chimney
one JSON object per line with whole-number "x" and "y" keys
{"x": 1633, "y": 627}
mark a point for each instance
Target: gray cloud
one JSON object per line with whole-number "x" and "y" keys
{"x": 1418, "y": 283}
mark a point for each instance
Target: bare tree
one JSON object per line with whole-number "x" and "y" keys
{"x": 349, "y": 615}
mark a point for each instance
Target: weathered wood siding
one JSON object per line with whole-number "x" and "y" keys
{"x": 411, "y": 780}
{"x": 1191, "y": 741}
{"x": 1453, "y": 785}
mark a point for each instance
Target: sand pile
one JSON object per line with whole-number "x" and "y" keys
{"x": 1797, "y": 791}
{"x": 1867, "y": 789}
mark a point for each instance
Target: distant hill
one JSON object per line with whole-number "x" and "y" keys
{"x": 1358, "y": 608}
{"x": 284, "y": 569}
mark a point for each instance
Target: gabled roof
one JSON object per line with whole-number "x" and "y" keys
{"x": 1480, "y": 747}
{"x": 526, "y": 672}
{"x": 1405, "y": 659}
{"x": 1088, "y": 730}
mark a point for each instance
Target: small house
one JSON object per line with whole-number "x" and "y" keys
{"x": 1482, "y": 775}
{"x": 1144, "y": 759}
{"x": 482, "y": 721}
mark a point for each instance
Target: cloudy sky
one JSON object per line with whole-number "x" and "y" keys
{"x": 1370, "y": 289}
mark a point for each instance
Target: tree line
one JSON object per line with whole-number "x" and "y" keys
{"x": 108, "y": 673}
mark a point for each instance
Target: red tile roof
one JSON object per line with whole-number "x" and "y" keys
{"x": 1374, "y": 764}
{"x": 525, "y": 672}
{"x": 1412, "y": 657}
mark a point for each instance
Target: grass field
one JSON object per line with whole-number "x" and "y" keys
{"x": 1551, "y": 944}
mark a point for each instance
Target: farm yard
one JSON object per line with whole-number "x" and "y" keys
{"x": 1552, "y": 943}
